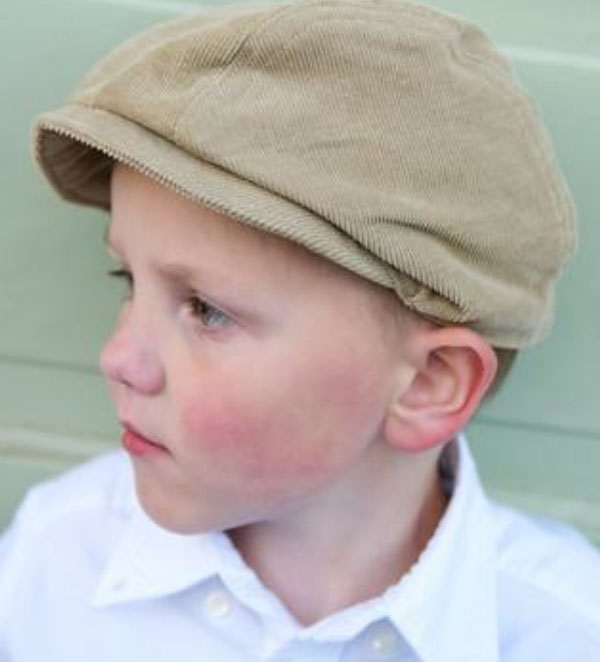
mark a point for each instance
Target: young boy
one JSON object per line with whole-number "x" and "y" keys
{"x": 337, "y": 220}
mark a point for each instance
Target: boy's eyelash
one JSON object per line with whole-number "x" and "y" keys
{"x": 121, "y": 273}
{"x": 208, "y": 315}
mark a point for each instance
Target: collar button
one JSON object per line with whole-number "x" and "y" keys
{"x": 218, "y": 604}
{"x": 120, "y": 585}
{"x": 384, "y": 644}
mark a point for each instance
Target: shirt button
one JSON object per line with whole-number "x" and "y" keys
{"x": 384, "y": 643}
{"x": 218, "y": 604}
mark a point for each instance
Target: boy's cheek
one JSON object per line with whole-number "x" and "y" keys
{"x": 300, "y": 430}
{"x": 229, "y": 433}
{"x": 246, "y": 437}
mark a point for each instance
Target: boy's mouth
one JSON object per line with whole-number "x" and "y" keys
{"x": 135, "y": 443}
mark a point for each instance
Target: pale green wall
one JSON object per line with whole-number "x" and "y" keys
{"x": 538, "y": 444}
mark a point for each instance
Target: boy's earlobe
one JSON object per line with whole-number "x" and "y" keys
{"x": 455, "y": 368}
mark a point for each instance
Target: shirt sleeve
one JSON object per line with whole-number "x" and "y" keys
{"x": 17, "y": 548}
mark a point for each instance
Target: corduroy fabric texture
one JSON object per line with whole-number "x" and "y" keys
{"x": 388, "y": 137}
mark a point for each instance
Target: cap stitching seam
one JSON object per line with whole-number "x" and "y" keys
{"x": 526, "y": 103}
{"x": 281, "y": 10}
{"x": 441, "y": 21}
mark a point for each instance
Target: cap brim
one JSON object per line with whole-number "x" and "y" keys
{"x": 76, "y": 147}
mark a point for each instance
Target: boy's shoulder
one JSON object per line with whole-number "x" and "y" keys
{"x": 548, "y": 581}
{"x": 65, "y": 526}
{"x": 82, "y": 508}
{"x": 103, "y": 482}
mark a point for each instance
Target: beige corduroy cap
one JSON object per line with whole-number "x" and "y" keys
{"x": 389, "y": 137}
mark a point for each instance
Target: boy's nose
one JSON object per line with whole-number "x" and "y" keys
{"x": 129, "y": 358}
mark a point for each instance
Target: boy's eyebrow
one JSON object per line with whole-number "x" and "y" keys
{"x": 235, "y": 297}
{"x": 217, "y": 283}
{"x": 170, "y": 269}
{"x": 181, "y": 272}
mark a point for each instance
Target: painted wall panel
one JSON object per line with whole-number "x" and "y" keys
{"x": 538, "y": 444}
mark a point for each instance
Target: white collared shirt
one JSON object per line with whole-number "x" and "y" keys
{"x": 85, "y": 575}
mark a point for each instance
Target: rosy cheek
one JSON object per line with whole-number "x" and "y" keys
{"x": 250, "y": 442}
{"x": 228, "y": 433}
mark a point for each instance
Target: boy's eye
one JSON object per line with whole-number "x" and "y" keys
{"x": 209, "y": 316}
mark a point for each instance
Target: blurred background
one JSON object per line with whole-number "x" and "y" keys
{"x": 538, "y": 442}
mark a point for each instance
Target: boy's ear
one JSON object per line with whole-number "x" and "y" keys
{"x": 453, "y": 368}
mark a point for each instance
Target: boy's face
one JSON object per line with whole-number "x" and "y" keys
{"x": 264, "y": 372}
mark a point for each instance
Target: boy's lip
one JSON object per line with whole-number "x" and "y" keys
{"x": 138, "y": 443}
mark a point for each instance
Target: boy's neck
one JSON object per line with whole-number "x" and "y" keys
{"x": 349, "y": 547}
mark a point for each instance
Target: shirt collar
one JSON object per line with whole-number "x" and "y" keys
{"x": 151, "y": 562}
{"x": 444, "y": 607}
